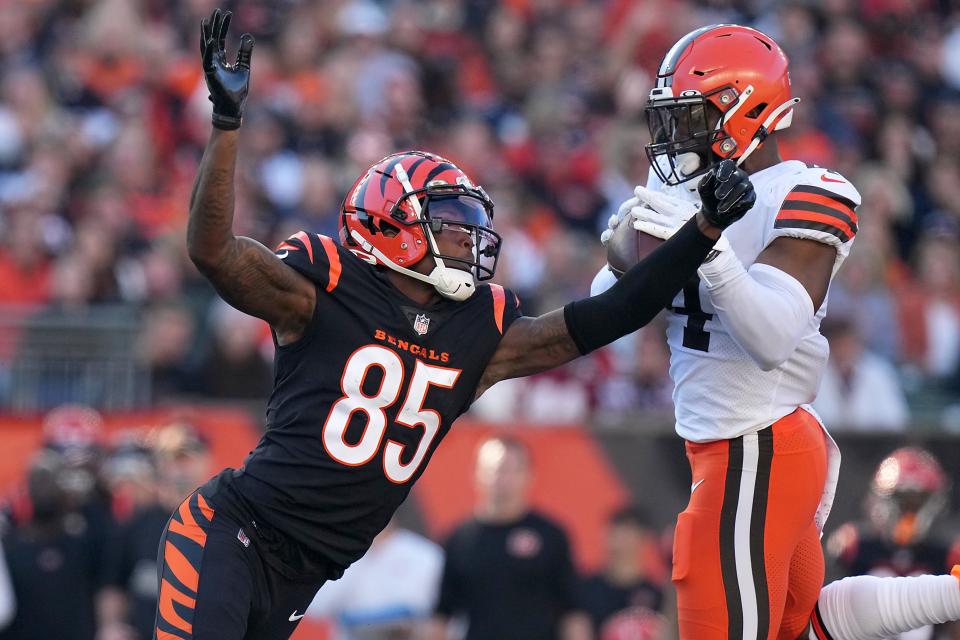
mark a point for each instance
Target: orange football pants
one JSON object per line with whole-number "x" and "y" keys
{"x": 747, "y": 562}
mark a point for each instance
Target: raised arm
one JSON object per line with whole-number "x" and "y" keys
{"x": 532, "y": 345}
{"x": 244, "y": 272}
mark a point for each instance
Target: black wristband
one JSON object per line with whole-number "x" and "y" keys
{"x": 641, "y": 292}
{"x": 227, "y": 123}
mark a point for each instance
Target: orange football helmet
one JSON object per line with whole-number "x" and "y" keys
{"x": 720, "y": 91}
{"x": 395, "y": 208}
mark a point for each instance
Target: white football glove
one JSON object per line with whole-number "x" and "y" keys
{"x": 660, "y": 215}
{"x": 673, "y": 207}
{"x": 615, "y": 219}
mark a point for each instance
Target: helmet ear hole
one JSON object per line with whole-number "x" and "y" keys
{"x": 754, "y": 113}
{"x": 389, "y": 230}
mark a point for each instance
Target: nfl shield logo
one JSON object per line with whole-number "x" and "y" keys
{"x": 421, "y": 324}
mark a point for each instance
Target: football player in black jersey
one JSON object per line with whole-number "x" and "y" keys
{"x": 383, "y": 340}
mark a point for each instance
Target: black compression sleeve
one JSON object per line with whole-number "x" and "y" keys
{"x": 641, "y": 292}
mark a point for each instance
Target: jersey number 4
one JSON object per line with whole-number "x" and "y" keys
{"x": 694, "y": 334}
{"x": 411, "y": 414}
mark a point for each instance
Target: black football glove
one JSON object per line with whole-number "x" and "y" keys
{"x": 726, "y": 194}
{"x": 228, "y": 84}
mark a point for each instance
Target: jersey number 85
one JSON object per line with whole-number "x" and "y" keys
{"x": 411, "y": 414}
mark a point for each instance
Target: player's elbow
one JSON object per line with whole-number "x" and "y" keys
{"x": 770, "y": 357}
{"x": 768, "y": 362}
{"x": 205, "y": 258}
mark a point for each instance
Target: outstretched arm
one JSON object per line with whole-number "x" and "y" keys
{"x": 532, "y": 345}
{"x": 244, "y": 272}
{"x": 537, "y": 344}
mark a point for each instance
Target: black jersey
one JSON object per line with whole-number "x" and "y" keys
{"x": 858, "y": 549}
{"x": 360, "y": 402}
{"x": 511, "y": 580}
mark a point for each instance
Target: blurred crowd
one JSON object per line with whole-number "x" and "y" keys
{"x": 80, "y": 532}
{"x": 104, "y": 114}
{"x": 80, "y": 535}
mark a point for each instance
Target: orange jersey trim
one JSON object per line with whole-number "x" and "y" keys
{"x": 499, "y": 299}
{"x": 330, "y": 247}
{"x": 810, "y": 216}
{"x": 305, "y": 239}
{"x": 825, "y": 201}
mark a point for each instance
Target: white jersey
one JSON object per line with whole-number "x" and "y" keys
{"x": 720, "y": 392}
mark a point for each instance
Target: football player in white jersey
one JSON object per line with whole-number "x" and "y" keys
{"x": 747, "y": 357}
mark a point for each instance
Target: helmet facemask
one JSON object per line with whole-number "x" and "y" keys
{"x": 687, "y": 133}
{"x": 464, "y": 213}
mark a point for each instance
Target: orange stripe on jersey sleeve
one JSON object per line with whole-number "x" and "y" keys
{"x": 499, "y": 300}
{"x": 330, "y": 247}
{"x": 826, "y": 220}
{"x": 305, "y": 239}
{"x": 824, "y": 201}
{"x": 809, "y": 207}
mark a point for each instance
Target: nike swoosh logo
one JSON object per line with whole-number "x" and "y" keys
{"x": 283, "y": 254}
{"x": 294, "y": 617}
{"x": 696, "y": 484}
{"x": 826, "y": 179}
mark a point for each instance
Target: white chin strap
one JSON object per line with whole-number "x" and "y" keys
{"x": 450, "y": 283}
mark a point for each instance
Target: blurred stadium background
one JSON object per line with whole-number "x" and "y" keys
{"x": 103, "y": 118}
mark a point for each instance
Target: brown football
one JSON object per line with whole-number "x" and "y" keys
{"x": 628, "y": 246}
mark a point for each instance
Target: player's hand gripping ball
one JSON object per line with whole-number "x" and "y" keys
{"x": 646, "y": 220}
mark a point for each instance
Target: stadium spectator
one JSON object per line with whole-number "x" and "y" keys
{"x": 621, "y": 595}
{"x": 176, "y": 462}
{"x": 507, "y": 570}
{"x": 859, "y": 390}
{"x": 55, "y": 566}
{"x": 235, "y": 367}
{"x": 388, "y": 594}
{"x": 543, "y": 102}
{"x": 930, "y": 307}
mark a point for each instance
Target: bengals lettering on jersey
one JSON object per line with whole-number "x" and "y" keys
{"x": 359, "y": 405}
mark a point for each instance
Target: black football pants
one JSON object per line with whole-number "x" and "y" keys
{"x": 214, "y": 585}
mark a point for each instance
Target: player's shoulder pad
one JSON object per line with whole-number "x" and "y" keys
{"x": 505, "y": 304}
{"x": 818, "y": 201}
{"x": 315, "y": 256}
{"x": 826, "y": 180}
